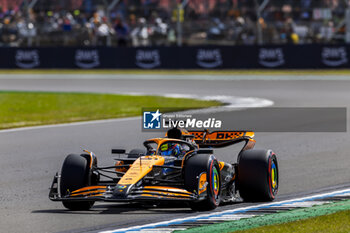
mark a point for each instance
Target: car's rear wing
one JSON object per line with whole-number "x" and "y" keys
{"x": 217, "y": 139}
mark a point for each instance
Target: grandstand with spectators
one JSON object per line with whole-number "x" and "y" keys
{"x": 171, "y": 22}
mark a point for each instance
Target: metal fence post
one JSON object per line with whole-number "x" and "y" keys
{"x": 109, "y": 9}
{"x": 180, "y": 18}
{"x": 259, "y": 10}
{"x": 347, "y": 20}
{"x": 179, "y": 25}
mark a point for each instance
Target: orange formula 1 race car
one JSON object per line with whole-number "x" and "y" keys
{"x": 179, "y": 167}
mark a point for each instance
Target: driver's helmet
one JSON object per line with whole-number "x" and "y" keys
{"x": 171, "y": 149}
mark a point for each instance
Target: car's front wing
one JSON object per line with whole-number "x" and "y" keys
{"x": 118, "y": 193}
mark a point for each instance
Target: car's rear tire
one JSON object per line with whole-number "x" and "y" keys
{"x": 75, "y": 174}
{"x": 136, "y": 153}
{"x": 194, "y": 167}
{"x": 257, "y": 175}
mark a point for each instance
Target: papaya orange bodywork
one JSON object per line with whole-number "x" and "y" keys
{"x": 89, "y": 193}
{"x": 202, "y": 181}
{"x": 88, "y": 188}
{"x": 165, "y": 189}
{"x": 141, "y": 167}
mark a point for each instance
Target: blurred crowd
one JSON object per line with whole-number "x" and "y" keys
{"x": 155, "y": 22}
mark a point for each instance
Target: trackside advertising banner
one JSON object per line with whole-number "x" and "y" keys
{"x": 210, "y": 57}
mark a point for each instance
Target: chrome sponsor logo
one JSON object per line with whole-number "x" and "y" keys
{"x": 271, "y": 57}
{"x": 147, "y": 59}
{"x": 334, "y": 56}
{"x": 209, "y": 58}
{"x": 27, "y": 59}
{"x": 87, "y": 59}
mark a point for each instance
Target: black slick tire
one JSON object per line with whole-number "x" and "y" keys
{"x": 257, "y": 175}
{"x": 75, "y": 174}
{"x": 194, "y": 167}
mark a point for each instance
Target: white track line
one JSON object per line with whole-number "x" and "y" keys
{"x": 230, "y": 217}
{"x": 233, "y": 211}
{"x": 231, "y": 101}
{"x": 306, "y": 204}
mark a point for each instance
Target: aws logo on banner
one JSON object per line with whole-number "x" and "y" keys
{"x": 334, "y": 56}
{"x": 87, "y": 59}
{"x": 148, "y": 59}
{"x": 27, "y": 59}
{"x": 209, "y": 58}
{"x": 271, "y": 57}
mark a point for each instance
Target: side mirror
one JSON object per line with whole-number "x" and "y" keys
{"x": 118, "y": 151}
{"x": 205, "y": 151}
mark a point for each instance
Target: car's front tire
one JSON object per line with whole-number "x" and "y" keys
{"x": 75, "y": 174}
{"x": 194, "y": 167}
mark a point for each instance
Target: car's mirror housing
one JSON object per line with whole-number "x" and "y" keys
{"x": 208, "y": 151}
{"x": 118, "y": 151}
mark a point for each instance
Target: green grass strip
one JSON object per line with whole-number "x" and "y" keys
{"x": 332, "y": 223}
{"x": 180, "y": 72}
{"x": 272, "y": 219}
{"x": 19, "y": 109}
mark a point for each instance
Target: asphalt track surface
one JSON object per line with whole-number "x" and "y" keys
{"x": 309, "y": 162}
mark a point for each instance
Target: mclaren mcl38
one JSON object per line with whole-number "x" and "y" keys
{"x": 181, "y": 166}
